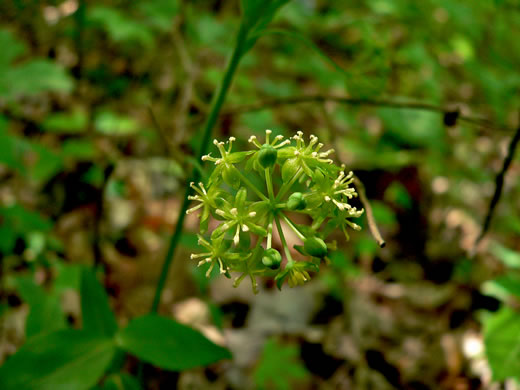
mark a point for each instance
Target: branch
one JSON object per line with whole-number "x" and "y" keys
{"x": 368, "y": 212}
{"x": 372, "y": 225}
{"x": 414, "y": 105}
{"x": 499, "y": 180}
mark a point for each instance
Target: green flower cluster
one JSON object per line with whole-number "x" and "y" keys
{"x": 243, "y": 240}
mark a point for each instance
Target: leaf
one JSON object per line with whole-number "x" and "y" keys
{"x": 45, "y": 314}
{"x": 66, "y": 122}
{"x": 509, "y": 257}
{"x": 121, "y": 382}
{"x": 63, "y": 360}
{"x": 79, "y": 149}
{"x": 279, "y": 367}
{"x": 34, "y": 77}
{"x": 502, "y": 343}
{"x": 119, "y": 27}
{"x": 109, "y": 123}
{"x": 11, "y": 48}
{"x": 98, "y": 318}
{"x": 257, "y": 14}
{"x": 168, "y": 344}
{"x": 45, "y": 317}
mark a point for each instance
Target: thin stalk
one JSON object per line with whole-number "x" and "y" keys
{"x": 284, "y": 242}
{"x": 286, "y": 186}
{"x": 216, "y": 105}
{"x": 269, "y": 183}
{"x": 292, "y": 226}
{"x": 270, "y": 231}
{"x": 250, "y": 185}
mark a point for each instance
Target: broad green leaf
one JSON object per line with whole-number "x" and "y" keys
{"x": 63, "y": 360}
{"x": 45, "y": 313}
{"x": 502, "y": 343}
{"x": 45, "y": 317}
{"x": 168, "y": 344}
{"x": 121, "y": 382}
{"x": 98, "y": 318}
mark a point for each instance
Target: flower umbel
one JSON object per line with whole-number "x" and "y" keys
{"x": 310, "y": 184}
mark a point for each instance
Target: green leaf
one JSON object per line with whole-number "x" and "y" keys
{"x": 66, "y": 122}
{"x": 509, "y": 257}
{"x": 11, "y": 48}
{"x": 68, "y": 359}
{"x": 168, "y": 344}
{"x": 98, "y": 318}
{"x": 79, "y": 149}
{"x": 119, "y": 27}
{"x": 34, "y": 77}
{"x": 109, "y": 123}
{"x": 279, "y": 367}
{"x": 502, "y": 343}
{"x": 257, "y": 14}
{"x": 45, "y": 314}
{"x": 45, "y": 317}
{"x": 121, "y": 382}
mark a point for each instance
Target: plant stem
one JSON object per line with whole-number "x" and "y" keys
{"x": 284, "y": 242}
{"x": 288, "y": 185}
{"x": 250, "y": 185}
{"x": 292, "y": 226}
{"x": 216, "y": 105}
{"x": 269, "y": 183}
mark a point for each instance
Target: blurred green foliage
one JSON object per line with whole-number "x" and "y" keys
{"x": 77, "y": 80}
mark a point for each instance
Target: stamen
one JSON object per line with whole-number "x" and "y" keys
{"x": 286, "y": 142}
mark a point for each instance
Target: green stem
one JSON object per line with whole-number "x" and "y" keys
{"x": 216, "y": 105}
{"x": 284, "y": 243}
{"x": 270, "y": 232}
{"x": 292, "y": 226}
{"x": 286, "y": 186}
{"x": 269, "y": 183}
{"x": 251, "y": 185}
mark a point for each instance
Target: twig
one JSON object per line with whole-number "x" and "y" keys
{"x": 414, "y": 105}
{"x": 372, "y": 225}
{"x": 186, "y": 93}
{"x": 369, "y": 213}
{"x": 499, "y": 182}
{"x": 170, "y": 148}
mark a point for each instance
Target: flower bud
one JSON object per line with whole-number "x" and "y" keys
{"x": 272, "y": 258}
{"x": 315, "y": 247}
{"x": 296, "y": 201}
{"x": 267, "y": 156}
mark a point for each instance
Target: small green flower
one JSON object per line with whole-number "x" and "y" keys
{"x": 267, "y": 153}
{"x": 238, "y": 217}
{"x": 225, "y": 163}
{"x": 217, "y": 253}
{"x": 208, "y": 200}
